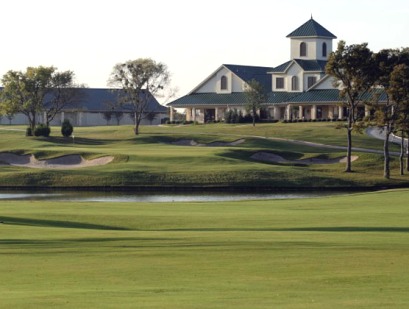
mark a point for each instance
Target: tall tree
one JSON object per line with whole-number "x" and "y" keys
{"x": 386, "y": 114}
{"x": 24, "y": 92}
{"x": 399, "y": 92}
{"x": 255, "y": 96}
{"x": 352, "y": 68}
{"x": 139, "y": 81}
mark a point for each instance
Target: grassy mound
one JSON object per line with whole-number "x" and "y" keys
{"x": 153, "y": 160}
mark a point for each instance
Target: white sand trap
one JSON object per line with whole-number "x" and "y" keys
{"x": 271, "y": 157}
{"x": 191, "y": 142}
{"x": 64, "y": 162}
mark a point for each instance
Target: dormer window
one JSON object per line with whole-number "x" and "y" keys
{"x": 324, "y": 49}
{"x": 223, "y": 83}
{"x": 280, "y": 83}
{"x": 303, "y": 49}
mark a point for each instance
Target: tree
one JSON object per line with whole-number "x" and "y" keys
{"x": 255, "y": 96}
{"x": 63, "y": 93}
{"x": 113, "y": 110}
{"x": 107, "y": 115}
{"x": 352, "y": 68}
{"x": 387, "y": 114}
{"x": 151, "y": 117}
{"x": 139, "y": 81}
{"x": 37, "y": 90}
{"x": 399, "y": 92}
{"x": 24, "y": 92}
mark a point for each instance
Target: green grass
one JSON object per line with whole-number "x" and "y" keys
{"x": 151, "y": 160}
{"x": 347, "y": 251}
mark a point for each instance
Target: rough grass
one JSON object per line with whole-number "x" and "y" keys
{"x": 340, "y": 252}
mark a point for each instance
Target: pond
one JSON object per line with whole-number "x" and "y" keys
{"x": 159, "y": 197}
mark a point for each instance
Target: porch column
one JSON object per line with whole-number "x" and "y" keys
{"x": 367, "y": 111}
{"x": 276, "y": 113}
{"x": 171, "y": 114}
{"x": 340, "y": 112}
{"x": 193, "y": 114}
{"x": 62, "y": 117}
{"x": 79, "y": 119}
{"x": 288, "y": 112}
{"x": 216, "y": 113}
{"x": 300, "y": 112}
{"x": 314, "y": 112}
{"x": 330, "y": 112}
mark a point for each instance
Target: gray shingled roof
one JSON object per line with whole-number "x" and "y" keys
{"x": 311, "y": 29}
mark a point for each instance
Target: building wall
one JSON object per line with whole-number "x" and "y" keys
{"x": 213, "y": 84}
{"x": 82, "y": 119}
{"x": 314, "y": 48}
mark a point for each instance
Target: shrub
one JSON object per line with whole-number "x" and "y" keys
{"x": 66, "y": 128}
{"x": 29, "y": 132}
{"x": 42, "y": 130}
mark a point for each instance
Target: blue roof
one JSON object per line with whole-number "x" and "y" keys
{"x": 234, "y": 98}
{"x": 317, "y": 96}
{"x": 280, "y": 97}
{"x": 306, "y": 65}
{"x": 210, "y": 99}
{"x": 282, "y": 67}
{"x": 311, "y": 29}
{"x": 98, "y": 99}
{"x": 247, "y": 73}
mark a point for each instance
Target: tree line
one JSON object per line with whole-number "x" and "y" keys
{"x": 44, "y": 90}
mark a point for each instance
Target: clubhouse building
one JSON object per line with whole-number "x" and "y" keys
{"x": 296, "y": 89}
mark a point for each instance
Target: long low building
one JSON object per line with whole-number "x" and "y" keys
{"x": 296, "y": 89}
{"x": 97, "y": 107}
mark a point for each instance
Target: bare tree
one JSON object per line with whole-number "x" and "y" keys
{"x": 64, "y": 93}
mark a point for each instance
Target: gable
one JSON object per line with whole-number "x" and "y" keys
{"x": 236, "y": 76}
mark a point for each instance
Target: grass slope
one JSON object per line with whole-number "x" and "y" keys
{"x": 151, "y": 160}
{"x": 346, "y": 251}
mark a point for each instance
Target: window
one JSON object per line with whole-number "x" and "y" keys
{"x": 280, "y": 83}
{"x": 324, "y": 49}
{"x": 223, "y": 83}
{"x": 311, "y": 81}
{"x": 294, "y": 83}
{"x": 303, "y": 49}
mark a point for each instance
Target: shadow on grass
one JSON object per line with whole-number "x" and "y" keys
{"x": 339, "y": 229}
{"x": 55, "y": 223}
{"x": 245, "y": 155}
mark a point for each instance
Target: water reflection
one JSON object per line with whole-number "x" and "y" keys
{"x": 160, "y": 197}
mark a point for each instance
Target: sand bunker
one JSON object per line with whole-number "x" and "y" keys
{"x": 191, "y": 142}
{"x": 271, "y": 157}
{"x": 64, "y": 162}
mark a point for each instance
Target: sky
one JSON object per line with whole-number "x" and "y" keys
{"x": 193, "y": 38}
